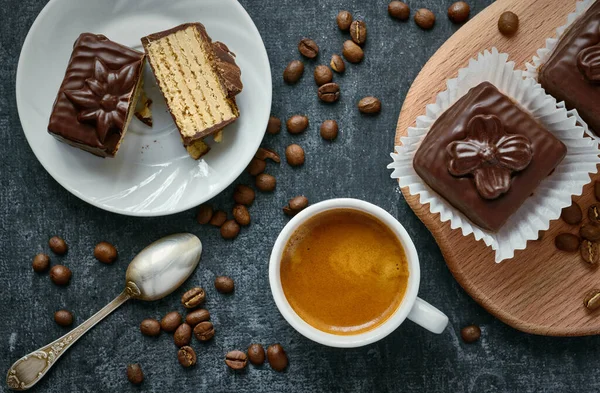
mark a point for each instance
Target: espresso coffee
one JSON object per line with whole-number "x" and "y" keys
{"x": 344, "y": 272}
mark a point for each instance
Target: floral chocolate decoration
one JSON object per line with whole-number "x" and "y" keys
{"x": 490, "y": 155}
{"x": 588, "y": 62}
{"x": 104, "y": 98}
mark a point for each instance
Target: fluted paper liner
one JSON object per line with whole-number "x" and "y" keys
{"x": 552, "y": 195}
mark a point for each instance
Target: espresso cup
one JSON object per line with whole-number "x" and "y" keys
{"x": 411, "y": 306}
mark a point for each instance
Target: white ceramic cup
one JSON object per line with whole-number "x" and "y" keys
{"x": 411, "y": 307}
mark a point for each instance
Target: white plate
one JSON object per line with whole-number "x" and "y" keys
{"x": 152, "y": 174}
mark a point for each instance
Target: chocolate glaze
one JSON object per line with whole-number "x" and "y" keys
{"x": 572, "y": 72}
{"x": 432, "y": 159}
{"x": 223, "y": 62}
{"x": 228, "y": 69}
{"x": 95, "y": 96}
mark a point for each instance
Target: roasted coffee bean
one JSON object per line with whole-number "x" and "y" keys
{"x": 135, "y": 374}
{"x": 572, "y": 214}
{"x": 195, "y": 317}
{"x": 592, "y": 299}
{"x": 186, "y": 356}
{"x": 597, "y": 190}
{"x": 204, "y": 215}
{"x": 171, "y": 321}
{"x": 590, "y": 252}
{"x": 105, "y": 252}
{"x": 288, "y": 211}
{"x": 344, "y": 20}
{"x": 399, "y": 10}
{"x": 337, "y": 64}
{"x": 508, "y": 23}
{"x": 352, "y": 52}
{"x": 60, "y": 274}
{"x": 266, "y": 182}
{"x": 329, "y": 130}
{"x": 230, "y": 229}
{"x": 369, "y": 105}
{"x": 323, "y": 75}
{"x": 590, "y": 232}
{"x": 256, "y": 167}
{"x": 298, "y": 203}
{"x": 41, "y": 263}
{"x": 295, "y": 205}
{"x": 459, "y": 12}
{"x": 274, "y": 125}
{"x": 224, "y": 284}
{"x": 566, "y": 242}
{"x": 294, "y": 154}
{"x": 150, "y": 327}
{"x": 264, "y": 154}
{"x": 204, "y": 331}
{"x": 308, "y": 48}
{"x": 277, "y": 357}
{"x": 293, "y": 72}
{"x": 329, "y": 92}
{"x": 63, "y": 318}
{"x": 297, "y": 124}
{"x": 470, "y": 333}
{"x": 243, "y": 195}
{"x": 193, "y": 298}
{"x": 236, "y": 360}
{"x": 594, "y": 213}
{"x": 241, "y": 215}
{"x": 183, "y": 335}
{"x": 218, "y": 218}
{"x": 58, "y": 245}
{"x": 256, "y": 354}
{"x": 358, "y": 32}
{"x": 424, "y": 18}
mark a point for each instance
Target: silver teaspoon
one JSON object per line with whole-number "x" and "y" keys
{"x": 155, "y": 272}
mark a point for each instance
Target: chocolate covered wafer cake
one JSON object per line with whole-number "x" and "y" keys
{"x": 485, "y": 155}
{"x": 98, "y": 95}
{"x": 199, "y": 80}
{"x": 572, "y": 73}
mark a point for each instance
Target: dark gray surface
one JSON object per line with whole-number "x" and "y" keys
{"x": 35, "y": 207}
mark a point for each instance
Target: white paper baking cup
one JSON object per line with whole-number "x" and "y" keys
{"x": 543, "y": 54}
{"x": 552, "y": 195}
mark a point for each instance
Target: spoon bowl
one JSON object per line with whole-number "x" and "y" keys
{"x": 163, "y": 266}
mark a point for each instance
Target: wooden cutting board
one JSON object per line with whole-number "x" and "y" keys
{"x": 541, "y": 289}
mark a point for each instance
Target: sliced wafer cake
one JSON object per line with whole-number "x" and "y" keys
{"x": 199, "y": 80}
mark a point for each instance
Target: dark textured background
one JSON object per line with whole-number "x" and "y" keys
{"x": 35, "y": 207}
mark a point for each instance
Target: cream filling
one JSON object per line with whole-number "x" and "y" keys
{"x": 137, "y": 92}
{"x": 172, "y": 84}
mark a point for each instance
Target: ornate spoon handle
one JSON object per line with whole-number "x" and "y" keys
{"x": 30, "y": 369}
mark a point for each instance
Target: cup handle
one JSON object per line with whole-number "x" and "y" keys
{"x": 427, "y": 316}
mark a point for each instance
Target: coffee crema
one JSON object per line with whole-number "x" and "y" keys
{"x": 344, "y": 272}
